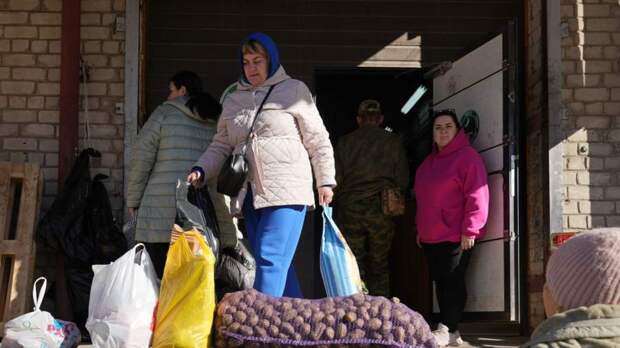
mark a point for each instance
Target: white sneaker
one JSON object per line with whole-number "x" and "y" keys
{"x": 442, "y": 335}
{"x": 455, "y": 338}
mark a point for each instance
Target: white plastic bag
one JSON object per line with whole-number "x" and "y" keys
{"x": 39, "y": 329}
{"x": 122, "y": 300}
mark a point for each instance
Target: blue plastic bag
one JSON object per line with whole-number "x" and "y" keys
{"x": 341, "y": 275}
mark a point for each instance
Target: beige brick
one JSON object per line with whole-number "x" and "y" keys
{"x": 569, "y": 178}
{"x": 93, "y": 103}
{"x": 594, "y": 108}
{"x": 90, "y": 19}
{"x": 597, "y": 38}
{"x": 595, "y": 66}
{"x": 595, "y": 221}
{"x": 600, "y": 149}
{"x": 596, "y": 11}
{"x": 611, "y": 80}
{"x": 52, "y": 5}
{"x": 612, "y": 163}
{"x": 593, "y": 163}
{"x": 16, "y": 87}
{"x": 96, "y": 5}
{"x": 567, "y": 94}
{"x": 92, "y": 46}
{"x": 615, "y": 94}
{"x": 36, "y": 102}
{"x": 96, "y": 117}
{"x": 612, "y": 221}
{"x": 119, "y": 5}
{"x": 583, "y": 80}
{"x": 577, "y": 221}
{"x": 49, "y": 116}
{"x": 575, "y": 163}
{"x": 51, "y": 159}
{"x": 108, "y": 18}
{"x": 117, "y": 89}
{"x": 104, "y": 75}
{"x": 612, "y": 193}
{"x": 20, "y": 45}
{"x": 567, "y": 11}
{"x": 97, "y": 89}
{"x": 95, "y": 33}
{"x": 572, "y": 53}
{"x": 578, "y": 192}
{"x": 570, "y": 149}
{"x": 602, "y": 24}
{"x": 18, "y": 60}
{"x": 111, "y": 47}
{"x": 53, "y": 74}
{"x": 48, "y": 145}
{"x": 611, "y": 108}
{"x": 19, "y": 116}
{"x": 616, "y": 38}
{"x": 593, "y": 121}
{"x": 5, "y": 45}
{"x": 49, "y": 60}
{"x": 568, "y": 67}
{"x": 49, "y": 33}
{"x": 45, "y": 18}
{"x": 594, "y": 179}
{"x": 21, "y": 144}
{"x": 38, "y": 46}
{"x": 22, "y": 32}
{"x": 591, "y": 94}
{"x": 13, "y": 18}
{"x": 611, "y": 52}
{"x": 48, "y": 88}
{"x": 103, "y": 131}
{"x": 24, "y": 4}
{"x": 17, "y": 102}
{"x": 31, "y": 74}
{"x": 117, "y": 61}
{"x": 579, "y": 135}
{"x": 593, "y": 52}
{"x": 570, "y": 207}
{"x": 96, "y": 60}
{"x": 3, "y": 101}
{"x": 51, "y": 102}
{"x": 596, "y": 207}
{"x": 55, "y": 46}
{"x": 38, "y": 130}
{"x": 8, "y": 130}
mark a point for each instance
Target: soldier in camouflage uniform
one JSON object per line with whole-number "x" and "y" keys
{"x": 368, "y": 160}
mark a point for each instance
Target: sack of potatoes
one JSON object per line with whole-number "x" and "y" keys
{"x": 251, "y": 319}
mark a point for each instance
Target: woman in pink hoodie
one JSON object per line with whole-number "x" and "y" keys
{"x": 452, "y": 208}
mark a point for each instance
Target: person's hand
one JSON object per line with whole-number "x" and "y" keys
{"x": 417, "y": 241}
{"x": 132, "y": 212}
{"x": 194, "y": 178}
{"x": 467, "y": 242}
{"x": 325, "y": 195}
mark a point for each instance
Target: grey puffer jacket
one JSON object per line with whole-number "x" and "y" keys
{"x": 594, "y": 326}
{"x": 287, "y": 143}
{"x": 167, "y": 146}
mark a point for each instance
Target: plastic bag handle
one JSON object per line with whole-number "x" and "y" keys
{"x": 37, "y": 297}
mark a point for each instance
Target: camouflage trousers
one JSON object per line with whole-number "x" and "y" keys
{"x": 369, "y": 234}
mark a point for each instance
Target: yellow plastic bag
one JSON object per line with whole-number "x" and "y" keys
{"x": 187, "y": 295}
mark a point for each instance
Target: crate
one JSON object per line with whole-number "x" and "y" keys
{"x": 20, "y": 195}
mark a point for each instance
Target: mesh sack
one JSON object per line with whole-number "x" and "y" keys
{"x": 252, "y": 319}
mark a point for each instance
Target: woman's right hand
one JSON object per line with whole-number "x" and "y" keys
{"x": 194, "y": 178}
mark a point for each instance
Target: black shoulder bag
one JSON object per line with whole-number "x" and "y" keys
{"x": 235, "y": 169}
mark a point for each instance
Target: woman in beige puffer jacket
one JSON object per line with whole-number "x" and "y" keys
{"x": 287, "y": 143}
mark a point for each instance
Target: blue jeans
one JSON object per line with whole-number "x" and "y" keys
{"x": 273, "y": 233}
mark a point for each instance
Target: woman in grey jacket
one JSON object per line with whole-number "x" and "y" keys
{"x": 174, "y": 136}
{"x": 287, "y": 143}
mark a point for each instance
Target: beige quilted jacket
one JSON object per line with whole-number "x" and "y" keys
{"x": 289, "y": 140}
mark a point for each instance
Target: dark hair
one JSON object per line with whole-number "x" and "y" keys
{"x": 447, "y": 112}
{"x": 200, "y": 102}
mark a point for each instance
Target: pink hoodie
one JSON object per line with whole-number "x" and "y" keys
{"x": 452, "y": 193}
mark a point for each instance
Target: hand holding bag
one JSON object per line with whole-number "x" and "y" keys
{"x": 235, "y": 169}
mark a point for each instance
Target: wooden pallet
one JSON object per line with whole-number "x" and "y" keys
{"x": 20, "y": 191}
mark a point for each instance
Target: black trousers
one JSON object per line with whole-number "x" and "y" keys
{"x": 158, "y": 253}
{"x": 447, "y": 264}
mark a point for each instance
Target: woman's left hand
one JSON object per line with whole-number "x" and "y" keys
{"x": 467, "y": 242}
{"x": 325, "y": 195}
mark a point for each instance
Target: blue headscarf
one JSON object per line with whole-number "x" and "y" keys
{"x": 271, "y": 48}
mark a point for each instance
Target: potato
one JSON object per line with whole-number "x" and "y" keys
{"x": 341, "y": 330}
{"x": 330, "y": 333}
{"x": 289, "y": 314}
{"x": 240, "y": 317}
{"x": 374, "y": 324}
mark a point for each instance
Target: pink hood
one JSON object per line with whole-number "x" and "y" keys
{"x": 452, "y": 193}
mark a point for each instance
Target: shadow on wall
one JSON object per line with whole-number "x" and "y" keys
{"x": 204, "y": 36}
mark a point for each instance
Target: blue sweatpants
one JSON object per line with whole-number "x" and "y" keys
{"x": 273, "y": 233}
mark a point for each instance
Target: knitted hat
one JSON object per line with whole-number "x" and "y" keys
{"x": 586, "y": 269}
{"x": 369, "y": 107}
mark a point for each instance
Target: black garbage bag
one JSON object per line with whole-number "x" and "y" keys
{"x": 68, "y": 208}
{"x": 235, "y": 270}
{"x": 191, "y": 215}
{"x": 79, "y": 281}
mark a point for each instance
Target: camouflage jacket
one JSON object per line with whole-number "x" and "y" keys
{"x": 368, "y": 160}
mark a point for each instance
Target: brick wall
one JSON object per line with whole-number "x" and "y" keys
{"x": 591, "y": 96}
{"x": 535, "y": 159}
{"x": 30, "y": 80}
